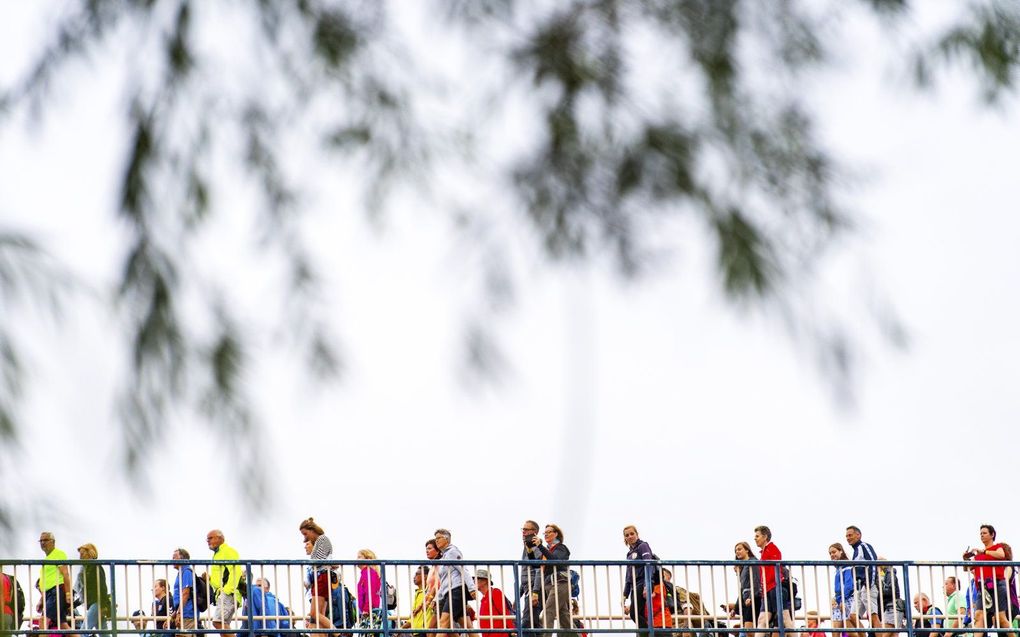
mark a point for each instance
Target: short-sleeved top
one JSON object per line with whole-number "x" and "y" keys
{"x": 983, "y": 573}
{"x": 51, "y": 574}
{"x": 186, "y": 579}
{"x": 955, "y": 605}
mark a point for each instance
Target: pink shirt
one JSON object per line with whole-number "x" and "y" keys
{"x": 369, "y": 585}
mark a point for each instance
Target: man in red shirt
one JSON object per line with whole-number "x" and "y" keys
{"x": 992, "y": 599}
{"x": 493, "y": 609}
{"x": 773, "y": 598}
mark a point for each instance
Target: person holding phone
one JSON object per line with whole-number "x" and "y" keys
{"x": 530, "y": 590}
{"x": 992, "y": 601}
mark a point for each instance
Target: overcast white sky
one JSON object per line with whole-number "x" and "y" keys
{"x": 696, "y": 423}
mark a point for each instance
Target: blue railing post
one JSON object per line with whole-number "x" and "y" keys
{"x": 383, "y": 603}
{"x": 649, "y": 610}
{"x": 113, "y": 600}
{"x": 908, "y": 599}
{"x": 781, "y": 595}
{"x": 517, "y": 606}
{"x": 251, "y": 611}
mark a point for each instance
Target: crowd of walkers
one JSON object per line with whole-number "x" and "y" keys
{"x": 865, "y": 593}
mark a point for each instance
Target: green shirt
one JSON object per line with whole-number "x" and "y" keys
{"x": 956, "y": 605}
{"x": 422, "y": 617}
{"x": 225, "y": 578}
{"x": 51, "y": 574}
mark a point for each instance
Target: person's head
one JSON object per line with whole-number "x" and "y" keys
{"x": 214, "y": 539}
{"x": 309, "y": 545}
{"x": 47, "y": 542}
{"x": 482, "y": 580}
{"x": 853, "y": 535}
{"x": 762, "y": 536}
{"x": 368, "y": 554}
{"x": 310, "y": 530}
{"x": 159, "y": 589}
{"x": 950, "y": 586}
{"x": 987, "y": 534}
{"x": 432, "y": 549}
{"x": 553, "y": 534}
{"x": 420, "y": 575}
{"x": 180, "y": 554}
{"x": 88, "y": 551}
{"x": 921, "y": 602}
{"x": 263, "y": 583}
{"x": 742, "y": 551}
{"x": 529, "y": 528}
{"x": 630, "y": 535}
{"x": 836, "y": 551}
{"x": 812, "y": 619}
{"x": 443, "y": 537}
{"x": 1008, "y": 550}
{"x": 137, "y": 621}
{"x": 667, "y": 575}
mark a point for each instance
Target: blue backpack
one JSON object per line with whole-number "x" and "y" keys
{"x": 575, "y": 584}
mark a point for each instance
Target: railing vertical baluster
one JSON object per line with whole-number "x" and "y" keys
{"x": 251, "y": 612}
{"x": 649, "y": 600}
{"x": 781, "y": 594}
{"x": 517, "y": 606}
{"x": 113, "y": 599}
{"x": 384, "y": 610}
{"x": 908, "y": 598}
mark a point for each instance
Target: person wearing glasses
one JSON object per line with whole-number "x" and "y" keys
{"x": 530, "y": 590}
{"x": 557, "y": 582}
{"x": 55, "y": 585}
{"x": 455, "y": 588}
{"x": 224, "y": 579}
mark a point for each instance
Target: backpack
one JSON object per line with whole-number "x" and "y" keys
{"x": 201, "y": 591}
{"x": 391, "y": 596}
{"x": 17, "y": 596}
{"x": 19, "y": 602}
{"x": 791, "y": 587}
{"x": 575, "y": 584}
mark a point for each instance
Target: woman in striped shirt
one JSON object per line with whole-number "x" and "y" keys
{"x": 322, "y": 549}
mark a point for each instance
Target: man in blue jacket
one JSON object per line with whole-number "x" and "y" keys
{"x": 266, "y": 610}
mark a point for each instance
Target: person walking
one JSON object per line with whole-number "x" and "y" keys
{"x": 557, "y": 583}
{"x": 90, "y": 590}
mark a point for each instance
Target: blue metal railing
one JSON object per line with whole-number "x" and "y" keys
{"x": 685, "y": 620}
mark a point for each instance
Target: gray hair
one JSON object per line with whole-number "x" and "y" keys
{"x": 444, "y": 532}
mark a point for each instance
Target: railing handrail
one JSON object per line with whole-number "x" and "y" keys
{"x": 500, "y": 562}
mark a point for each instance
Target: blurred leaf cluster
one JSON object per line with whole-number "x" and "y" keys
{"x": 642, "y": 110}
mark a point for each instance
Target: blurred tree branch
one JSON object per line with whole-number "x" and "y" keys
{"x": 625, "y": 138}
